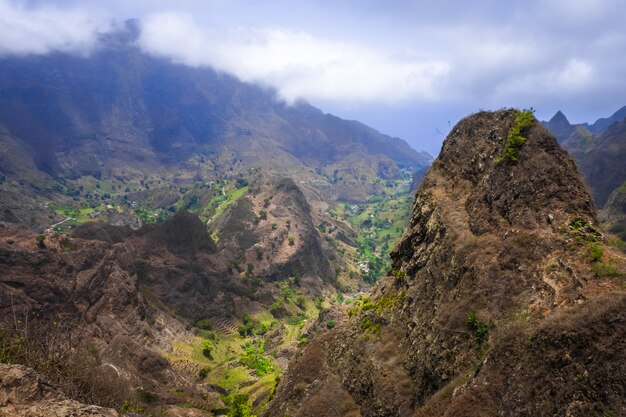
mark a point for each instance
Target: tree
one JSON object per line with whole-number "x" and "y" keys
{"x": 240, "y": 407}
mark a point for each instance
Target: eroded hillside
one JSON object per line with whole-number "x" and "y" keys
{"x": 504, "y": 298}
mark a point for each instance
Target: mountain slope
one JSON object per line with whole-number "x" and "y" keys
{"x": 599, "y": 151}
{"x": 601, "y": 161}
{"x": 494, "y": 304}
{"x": 120, "y": 113}
{"x": 603, "y": 124}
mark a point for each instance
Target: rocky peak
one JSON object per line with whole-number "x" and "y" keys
{"x": 560, "y": 126}
{"x": 542, "y": 180}
{"x": 559, "y": 118}
{"x": 502, "y": 228}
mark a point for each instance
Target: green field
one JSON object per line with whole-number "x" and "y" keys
{"x": 380, "y": 224}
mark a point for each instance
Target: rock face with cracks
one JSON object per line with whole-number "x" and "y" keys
{"x": 494, "y": 305}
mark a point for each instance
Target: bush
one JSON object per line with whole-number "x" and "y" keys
{"x": 515, "y": 140}
{"x": 595, "y": 252}
{"x": 207, "y": 349}
{"x": 480, "y": 328}
{"x": 240, "y": 406}
{"x": 369, "y": 325}
{"x": 254, "y": 359}
{"x": 40, "y": 241}
{"x": 301, "y": 302}
{"x": 203, "y": 373}
{"x": 330, "y": 324}
{"x": 203, "y": 324}
{"x": 399, "y": 274}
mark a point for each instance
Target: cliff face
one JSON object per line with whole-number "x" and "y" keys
{"x": 503, "y": 298}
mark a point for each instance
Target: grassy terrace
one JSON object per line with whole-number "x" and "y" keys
{"x": 229, "y": 194}
{"x": 241, "y": 363}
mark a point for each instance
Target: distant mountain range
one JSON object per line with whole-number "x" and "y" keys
{"x": 120, "y": 112}
{"x": 599, "y": 150}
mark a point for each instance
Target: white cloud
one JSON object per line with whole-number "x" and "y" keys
{"x": 572, "y": 77}
{"x": 25, "y": 31}
{"x": 298, "y": 64}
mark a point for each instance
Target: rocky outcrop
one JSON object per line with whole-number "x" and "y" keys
{"x": 24, "y": 393}
{"x": 493, "y": 306}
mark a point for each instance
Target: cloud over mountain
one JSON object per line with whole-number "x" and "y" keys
{"x": 298, "y": 64}
{"x": 365, "y": 59}
{"x": 47, "y": 29}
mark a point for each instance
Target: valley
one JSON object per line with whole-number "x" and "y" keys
{"x": 179, "y": 240}
{"x": 233, "y": 247}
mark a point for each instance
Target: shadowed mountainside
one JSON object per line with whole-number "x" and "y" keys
{"x": 121, "y": 113}
{"x": 599, "y": 151}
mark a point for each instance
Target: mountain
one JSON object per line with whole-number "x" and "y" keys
{"x": 615, "y": 212}
{"x": 503, "y": 298}
{"x": 559, "y": 126}
{"x": 599, "y": 151}
{"x": 163, "y": 317}
{"x": 601, "y": 161}
{"x": 603, "y": 124}
{"x": 169, "y": 235}
{"x": 121, "y": 114}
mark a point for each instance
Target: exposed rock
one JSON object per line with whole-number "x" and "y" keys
{"x": 484, "y": 299}
{"x": 24, "y": 393}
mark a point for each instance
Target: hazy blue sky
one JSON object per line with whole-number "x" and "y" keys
{"x": 407, "y": 68}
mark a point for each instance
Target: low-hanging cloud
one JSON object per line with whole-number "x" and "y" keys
{"x": 43, "y": 30}
{"x": 353, "y": 54}
{"x": 298, "y": 64}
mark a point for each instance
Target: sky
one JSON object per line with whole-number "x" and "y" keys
{"x": 408, "y": 68}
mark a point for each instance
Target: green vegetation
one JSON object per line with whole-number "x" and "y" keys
{"x": 601, "y": 269}
{"x": 583, "y": 229}
{"x": 383, "y": 302}
{"x": 480, "y": 328}
{"x": 330, "y": 324}
{"x": 40, "y": 241}
{"x": 254, "y": 359}
{"x": 240, "y": 406}
{"x": 369, "y": 325}
{"x": 252, "y": 327}
{"x": 207, "y": 348}
{"x": 340, "y": 298}
{"x": 399, "y": 274}
{"x": 380, "y": 224}
{"x": 227, "y": 197}
{"x": 203, "y": 324}
{"x": 515, "y": 139}
{"x": 595, "y": 252}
